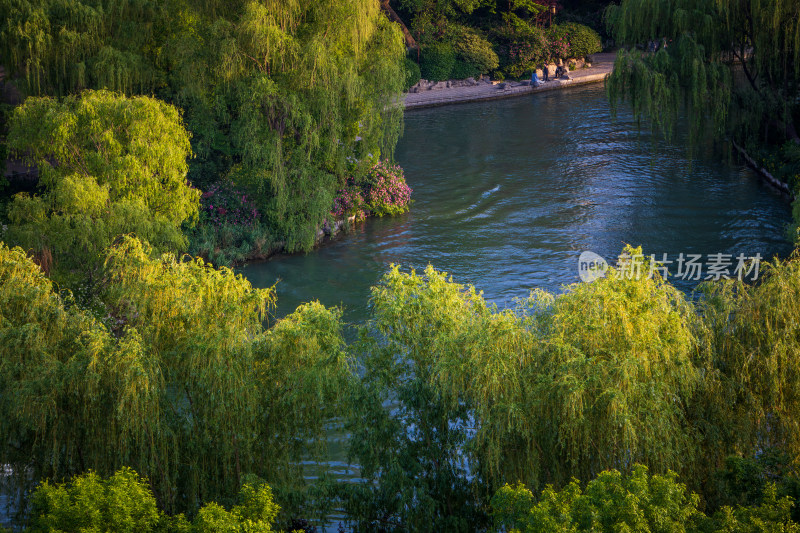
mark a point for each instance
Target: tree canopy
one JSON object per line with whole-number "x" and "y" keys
{"x": 706, "y": 41}
{"x": 179, "y": 380}
{"x": 108, "y": 166}
{"x": 278, "y": 96}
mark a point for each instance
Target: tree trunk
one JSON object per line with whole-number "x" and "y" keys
{"x": 394, "y": 17}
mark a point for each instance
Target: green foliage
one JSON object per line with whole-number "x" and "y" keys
{"x": 753, "y": 383}
{"x": 277, "y": 95}
{"x": 182, "y": 382}
{"x": 582, "y": 40}
{"x": 521, "y": 45}
{"x": 89, "y": 503}
{"x": 109, "y": 166}
{"x": 604, "y": 366}
{"x": 637, "y": 502}
{"x": 411, "y": 448}
{"x": 474, "y": 54}
{"x": 605, "y": 375}
{"x": 437, "y": 62}
{"x": 124, "y": 503}
{"x": 706, "y": 41}
{"x": 412, "y": 72}
{"x": 294, "y": 91}
{"x": 231, "y": 244}
{"x": 746, "y": 481}
{"x": 57, "y": 48}
{"x": 562, "y": 386}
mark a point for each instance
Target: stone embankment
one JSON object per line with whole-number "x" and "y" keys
{"x": 429, "y": 94}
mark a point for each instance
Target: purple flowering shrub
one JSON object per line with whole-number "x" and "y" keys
{"x": 223, "y": 205}
{"x": 387, "y": 192}
{"x": 349, "y": 201}
{"x": 382, "y": 191}
{"x": 559, "y": 48}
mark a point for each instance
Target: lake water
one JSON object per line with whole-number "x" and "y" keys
{"x": 507, "y": 194}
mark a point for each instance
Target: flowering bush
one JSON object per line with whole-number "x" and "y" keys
{"x": 222, "y": 204}
{"x": 387, "y": 192}
{"x": 559, "y": 48}
{"x": 382, "y": 191}
{"x": 573, "y": 40}
{"x": 349, "y": 201}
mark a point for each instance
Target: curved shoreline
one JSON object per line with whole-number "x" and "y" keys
{"x": 602, "y": 65}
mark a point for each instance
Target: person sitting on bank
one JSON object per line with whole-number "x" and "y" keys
{"x": 535, "y": 79}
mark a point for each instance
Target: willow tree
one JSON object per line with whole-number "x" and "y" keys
{"x": 735, "y": 64}
{"x": 180, "y": 381}
{"x": 108, "y": 165}
{"x": 51, "y": 47}
{"x": 600, "y": 377}
{"x": 752, "y": 402}
{"x": 280, "y": 94}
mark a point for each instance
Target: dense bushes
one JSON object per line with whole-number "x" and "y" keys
{"x": 472, "y": 51}
{"x": 460, "y": 54}
{"x": 639, "y": 502}
{"x": 437, "y": 61}
{"x": 124, "y": 503}
{"x": 412, "y": 72}
{"x": 581, "y": 40}
{"x": 524, "y": 47}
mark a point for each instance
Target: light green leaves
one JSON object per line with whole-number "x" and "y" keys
{"x": 109, "y": 166}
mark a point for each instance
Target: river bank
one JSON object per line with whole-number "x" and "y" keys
{"x": 602, "y": 65}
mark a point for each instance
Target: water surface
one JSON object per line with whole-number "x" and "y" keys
{"x": 508, "y": 193}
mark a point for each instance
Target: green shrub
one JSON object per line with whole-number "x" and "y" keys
{"x": 124, "y": 503}
{"x": 412, "y": 73}
{"x": 437, "y": 62}
{"x": 745, "y": 481}
{"x": 581, "y": 40}
{"x": 521, "y": 47}
{"x": 230, "y": 244}
{"x": 463, "y": 70}
{"x": 639, "y": 502}
{"x": 474, "y": 54}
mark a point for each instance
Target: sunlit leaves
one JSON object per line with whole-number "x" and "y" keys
{"x": 109, "y": 165}
{"x": 180, "y": 380}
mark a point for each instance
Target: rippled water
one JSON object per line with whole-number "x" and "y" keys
{"x": 508, "y": 193}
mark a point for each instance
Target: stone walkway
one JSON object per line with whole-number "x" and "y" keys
{"x": 602, "y": 64}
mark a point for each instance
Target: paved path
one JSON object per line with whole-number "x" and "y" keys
{"x": 602, "y": 64}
